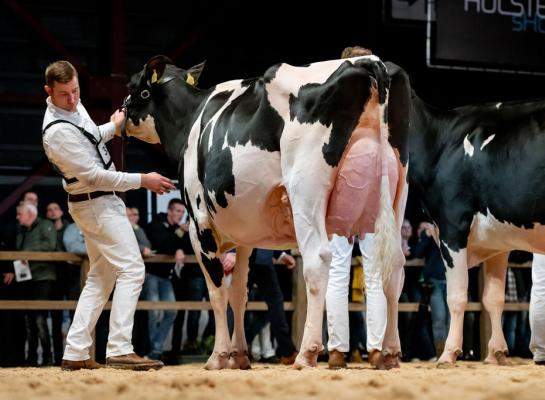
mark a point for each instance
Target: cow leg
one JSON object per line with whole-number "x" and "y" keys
{"x": 391, "y": 346}
{"x": 494, "y": 301}
{"x": 457, "y": 285}
{"x": 238, "y": 296}
{"x": 212, "y": 269}
{"x": 316, "y": 255}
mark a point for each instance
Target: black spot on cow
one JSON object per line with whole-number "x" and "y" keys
{"x": 338, "y": 103}
{"x": 198, "y": 201}
{"x": 207, "y": 241}
{"x": 214, "y": 268}
{"x": 398, "y": 110}
{"x": 446, "y": 255}
{"x": 249, "y": 118}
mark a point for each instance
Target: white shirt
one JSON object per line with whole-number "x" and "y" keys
{"x": 75, "y": 155}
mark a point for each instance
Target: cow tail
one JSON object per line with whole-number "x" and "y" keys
{"x": 387, "y": 235}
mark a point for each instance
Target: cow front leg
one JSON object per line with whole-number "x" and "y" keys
{"x": 457, "y": 284}
{"x": 391, "y": 346}
{"x": 238, "y": 296}
{"x": 495, "y": 270}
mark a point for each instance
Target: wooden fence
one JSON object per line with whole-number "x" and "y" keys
{"x": 298, "y": 305}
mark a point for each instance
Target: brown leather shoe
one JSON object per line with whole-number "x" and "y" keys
{"x": 68, "y": 365}
{"x": 133, "y": 362}
{"x": 288, "y": 360}
{"x": 336, "y": 360}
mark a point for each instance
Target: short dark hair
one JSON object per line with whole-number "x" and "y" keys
{"x": 355, "y": 51}
{"x": 59, "y": 71}
{"x": 173, "y": 202}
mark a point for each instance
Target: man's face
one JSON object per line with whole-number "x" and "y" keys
{"x": 25, "y": 217}
{"x": 175, "y": 214}
{"x": 406, "y": 230}
{"x": 54, "y": 211}
{"x": 133, "y": 214}
{"x": 31, "y": 197}
{"x": 65, "y": 95}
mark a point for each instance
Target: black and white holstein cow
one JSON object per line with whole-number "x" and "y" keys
{"x": 272, "y": 162}
{"x": 479, "y": 172}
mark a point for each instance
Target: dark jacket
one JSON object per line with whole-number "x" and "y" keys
{"x": 433, "y": 263}
{"x": 42, "y": 236}
{"x": 165, "y": 239}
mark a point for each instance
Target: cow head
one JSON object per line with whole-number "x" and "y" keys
{"x": 148, "y": 90}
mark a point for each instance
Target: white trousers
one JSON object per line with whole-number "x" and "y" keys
{"x": 115, "y": 260}
{"x": 337, "y": 295}
{"x": 537, "y": 308}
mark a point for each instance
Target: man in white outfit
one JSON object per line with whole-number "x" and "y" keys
{"x": 537, "y": 309}
{"x": 337, "y": 302}
{"x": 76, "y": 147}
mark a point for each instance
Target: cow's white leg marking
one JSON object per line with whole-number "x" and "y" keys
{"x": 494, "y": 302}
{"x": 238, "y": 296}
{"x": 457, "y": 284}
{"x": 391, "y": 345}
{"x": 309, "y": 221}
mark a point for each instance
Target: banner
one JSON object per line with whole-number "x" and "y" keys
{"x": 492, "y": 33}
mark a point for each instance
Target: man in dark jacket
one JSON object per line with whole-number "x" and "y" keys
{"x": 166, "y": 236}
{"x": 37, "y": 234}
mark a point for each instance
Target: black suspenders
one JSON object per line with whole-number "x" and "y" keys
{"x": 96, "y": 143}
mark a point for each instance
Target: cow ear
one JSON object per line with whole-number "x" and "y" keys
{"x": 192, "y": 75}
{"x": 155, "y": 67}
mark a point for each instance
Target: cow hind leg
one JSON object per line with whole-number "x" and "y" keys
{"x": 457, "y": 284}
{"x": 391, "y": 347}
{"x": 494, "y": 301}
{"x": 238, "y": 296}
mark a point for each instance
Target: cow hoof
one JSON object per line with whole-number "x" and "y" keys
{"x": 391, "y": 361}
{"x": 305, "y": 359}
{"x": 239, "y": 360}
{"x": 217, "y": 361}
{"x": 448, "y": 358}
{"x": 498, "y": 358}
{"x": 376, "y": 359}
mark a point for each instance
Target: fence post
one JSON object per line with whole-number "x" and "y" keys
{"x": 484, "y": 320}
{"x": 299, "y": 299}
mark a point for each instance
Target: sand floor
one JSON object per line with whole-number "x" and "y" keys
{"x": 468, "y": 380}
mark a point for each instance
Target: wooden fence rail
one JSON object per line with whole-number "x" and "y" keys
{"x": 298, "y": 305}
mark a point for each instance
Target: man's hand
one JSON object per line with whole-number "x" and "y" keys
{"x": 287, "y": 260}
{"x": 228, "y": 261}
{"x": 146, "y": 252}
{"x": 157, "y": 183}
{"x": 8, "y": 278}
{"x": 117, "y": 118}
{"x": 179, "y": 257}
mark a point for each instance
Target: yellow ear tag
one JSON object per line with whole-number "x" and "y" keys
{"x": 190, "y": 80}
{"x": 154, "y": 77}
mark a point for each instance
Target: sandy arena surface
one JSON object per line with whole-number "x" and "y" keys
{"x": 468, "y": 380}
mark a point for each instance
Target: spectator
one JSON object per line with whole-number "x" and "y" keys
{"x": 67, "y": 283}
{"x": 36, "y": 234}
{"x": 165, "y": 233}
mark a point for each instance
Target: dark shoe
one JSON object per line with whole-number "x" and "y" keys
{"x": 68, "y": 365}
{"x": 540, "y": 362}
{"x": 289, "y": 360}
{"x": 133, "y": 362}
{"x": 336, "y": 360}
{"x": 270, "y": 360}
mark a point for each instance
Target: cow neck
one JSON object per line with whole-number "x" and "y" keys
{"x": 176, "y": 116}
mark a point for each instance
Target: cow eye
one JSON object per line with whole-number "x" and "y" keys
{"x": 144, "y": 93}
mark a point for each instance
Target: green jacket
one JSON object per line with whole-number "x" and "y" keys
{"x": 42, "y": 236}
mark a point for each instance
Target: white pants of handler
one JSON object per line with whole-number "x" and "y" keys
{"x": 115, "y": 259}
{"x": 337, "y": 295}
{"x": 537, "y": 308}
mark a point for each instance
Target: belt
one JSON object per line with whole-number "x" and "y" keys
{"x": 76, "y": 198}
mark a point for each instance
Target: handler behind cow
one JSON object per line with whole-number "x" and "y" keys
{"x": 276, "y": 161}
{"x": 76, "y": 147}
